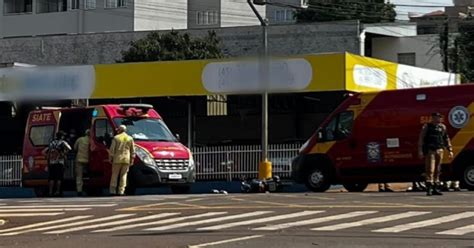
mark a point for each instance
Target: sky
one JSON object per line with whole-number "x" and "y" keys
{"x": 402, "y": 12}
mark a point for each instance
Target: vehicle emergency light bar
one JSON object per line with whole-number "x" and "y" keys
{"x": 130, "y": 109}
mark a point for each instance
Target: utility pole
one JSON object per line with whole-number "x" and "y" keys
{"x": 265, "y": 167}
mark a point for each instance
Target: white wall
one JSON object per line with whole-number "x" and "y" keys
{"x": 161, "y": 14}
{"x": 426, "y": 48}
{"x": 69, "y": 22}
{"x": 271, "y": 9}
{"x": 238, "y": 13}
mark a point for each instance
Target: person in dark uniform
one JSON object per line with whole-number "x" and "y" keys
{"x": 432, "y": 142}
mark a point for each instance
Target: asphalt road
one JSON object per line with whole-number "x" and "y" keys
{"x": 371, "y": 219}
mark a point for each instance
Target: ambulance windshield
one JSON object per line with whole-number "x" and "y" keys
{"x": 145, "y": 129}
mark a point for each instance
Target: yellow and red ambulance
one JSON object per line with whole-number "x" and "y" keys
{"x": 373, "y": 138}
{"x": 160, "y": 157}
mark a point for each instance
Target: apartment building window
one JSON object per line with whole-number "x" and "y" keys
{"x": 18, "y": 6}
{"x": 48, "y": 6}
{"x": 74, "y": 4}
{"x": 283, "y": 15}
{"x": 407, "y": 58}
{"x": 207, "y": 17}
{"x": 115, "y": 3}
{"x": 90, "y": 4}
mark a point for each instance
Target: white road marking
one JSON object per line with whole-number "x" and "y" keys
{"x": 226, "y": 241}
{"x": 2, "y": 222}
{"x": 315, "y": 221}
{"x": 458, "y": 231}
{"x": 254, "y": 221}
{"x": 80, "y": 217}
{"x": 113, "y": 217}
{"x": 58, "y": 206}
{"x": 30, "y": 210}
{"x": 115, "y": 223}
{"x": 161, "y": 222}
{"x": 200, "y": 222}
{"x": 29, "y": 214}
{"x": 432, "y": 222}
{"x": 370, "y": 221}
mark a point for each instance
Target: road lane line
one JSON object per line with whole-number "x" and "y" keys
{"x": 161, "y": 222}
{"x": 200, "y": 222}
{"x": 254, "y": 221}
{"x": 113, "y": 217}
{"x": 58, "y": 206}
{"x": 114, "y": 223}
{"x": 226, "y": 241}
{"x": 314, "y": 221}
{"x": 29, "y": 214}
{"x": 30, "y": 210}
{"x": 432, "y": 222}
{"x": 458, "y": 231}
{"x": 370, "y": 221}
{"x": 80, "y": 217}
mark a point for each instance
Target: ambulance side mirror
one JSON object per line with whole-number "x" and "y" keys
{"x": 178, "y": 137}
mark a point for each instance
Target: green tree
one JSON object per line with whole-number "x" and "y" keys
{"x": 366, "y": 11}
{"x": 172, "y": 46}
{"x": 465, "y": 50}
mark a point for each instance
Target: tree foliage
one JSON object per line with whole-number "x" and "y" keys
{"x": 366, "y": 11}
{"x": 459, "y": 49}
{"x": 465, "y": 50}
{"x": 172, "y": 46}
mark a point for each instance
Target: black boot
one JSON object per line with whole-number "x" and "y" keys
{"x": 429, "y": 189}
{"x": 436, "y": 190}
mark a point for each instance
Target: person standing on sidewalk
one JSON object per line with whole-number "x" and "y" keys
{"x": 56, "y": 153}
{"x": 82, "y": 159}
{"x": 122, "y": 153}
{"x": 432, "y": 142}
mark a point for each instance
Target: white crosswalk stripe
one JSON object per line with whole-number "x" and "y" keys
{"x": 216, "y": 221}
{"x": 370, "y": 221}
{"x": 255, "y": 221}
{"x": 57, "y": 206}
{"x": 459, "y": 231}
{"x": 314, "y": 221}
{"x": 114, "y": 223}
{"x": 201, "y": 222}
{"x": 113, "y": 217}
{"x": 161, "y": 222}
{"x": 26, "y": 227}
{"x": 30, "y": 210}
{"x": 425, "y": 223}
{"x": 30, "y": 214}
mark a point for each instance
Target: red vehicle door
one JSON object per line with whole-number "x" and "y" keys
{"x": 101, "y": 137}
{"x": 40, "y": 130}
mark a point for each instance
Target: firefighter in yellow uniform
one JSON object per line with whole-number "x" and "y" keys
{"x": 82, "y": 159}
{"x": 122, "y": 152}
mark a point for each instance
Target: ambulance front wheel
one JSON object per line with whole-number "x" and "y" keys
{"x": 318, "y": 180}
{"x": 355, "y": 187}
{"x": 467, "y": 178}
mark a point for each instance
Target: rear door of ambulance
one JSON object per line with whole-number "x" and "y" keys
{"x": 40, "y": 129}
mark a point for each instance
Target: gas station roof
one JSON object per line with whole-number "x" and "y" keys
{"x": 305, "y": 73}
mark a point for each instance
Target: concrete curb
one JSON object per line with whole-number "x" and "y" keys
{"x": 197, "y": 188}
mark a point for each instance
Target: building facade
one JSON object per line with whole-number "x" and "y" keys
{"x": 20, "y": 18}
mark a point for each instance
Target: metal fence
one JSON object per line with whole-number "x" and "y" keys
{"x": 10, "y": 170}
{"x": 212, "y": 163}
{"x": 239, "y": 162}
